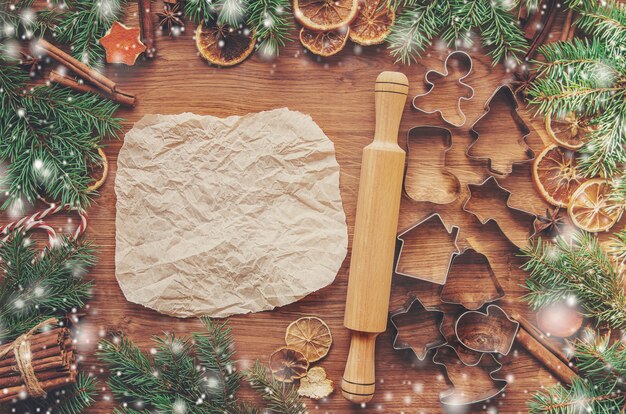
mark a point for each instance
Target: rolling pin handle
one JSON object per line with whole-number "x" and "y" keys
{"x": 359, "y": 380}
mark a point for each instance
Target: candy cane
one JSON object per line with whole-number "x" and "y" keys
{"x": 30, "y": 225}
{"x": 36, "y": 221}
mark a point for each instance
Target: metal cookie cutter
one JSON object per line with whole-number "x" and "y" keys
{"x": 466, "y": 355}
{"x": 492, "y": 331}
{"x": 462, "y": 288}
{"x": 431, "y": 76}
{"x": 483, "y": 202}
{"x": 500, "y": 161}
{"x": 429, "y": 179}
{"x": 470, "y": 383}
{"x": 417, "y": 328}
{"x": 430, "y": 262}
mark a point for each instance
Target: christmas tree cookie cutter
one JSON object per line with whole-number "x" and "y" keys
{"x": 424, "y": 240}
{"x": 492, "y": 331}
{"x": 417, "y": 328}
{"x": 490, "y": 201}
{"x": 500, "y": 161}
{"x": 461, "y": 288}
{"x": 462, "y": 59}
{"x": 470, "y": 383}
{"x": 429, "y": 179}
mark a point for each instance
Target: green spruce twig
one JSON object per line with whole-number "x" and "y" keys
{"x": 578, "y": 269}
{"x": 271, "y": 22}
{"x": 73, "y": 399}
{"x": 282, "y": 398}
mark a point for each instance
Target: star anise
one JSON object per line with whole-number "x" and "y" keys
{"x": 170, "y": 16}
{"x": 523, "y": 80}
{"x": 551, "y": 224}
{"x": 33, "y": 64}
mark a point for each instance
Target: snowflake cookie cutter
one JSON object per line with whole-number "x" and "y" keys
{"x": 436, "y": 269}
{"x": 417, "y": 328}
{"x": 419, "y": 184}
{"x": 470, "y": 383}
{"x": 481, "y": 205}
{"x": 492, "y": 331}
{"x": 464, "y": 59}
{"x": 461, "y": 288}
{"x": 523, "y": 153}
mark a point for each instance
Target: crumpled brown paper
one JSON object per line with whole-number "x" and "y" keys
{"x": 227, "y": 216}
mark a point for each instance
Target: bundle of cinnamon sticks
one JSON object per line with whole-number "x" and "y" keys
{"x": 52, "y": 361}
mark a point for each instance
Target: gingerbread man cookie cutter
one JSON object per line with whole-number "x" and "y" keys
{"x": 463, "y": 58}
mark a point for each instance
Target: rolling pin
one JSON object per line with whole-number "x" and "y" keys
{"x": 373, "y": 245}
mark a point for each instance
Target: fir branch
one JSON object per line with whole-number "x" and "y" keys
{"x": 579, "y": 268}
{"x": 216, "y": 352}
{"x": 271, "y": 22}
{"x": 588, "y": 77}
{"x": 600, "y": 360}
{"x": 282, "y": 398}
{"x": 37, "y": 288}
{"x": 49, "y": 138}
{"x": 617, "y": 248}
{"x": 581, "y": 397}
{"x": 231, "y": 12}
{"x": 83, "y": 23}
{"x": 414, "y": 30}
{"x": 199, "y": 11}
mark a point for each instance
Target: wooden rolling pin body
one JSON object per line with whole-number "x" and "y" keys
{"x": 373, "y": 245}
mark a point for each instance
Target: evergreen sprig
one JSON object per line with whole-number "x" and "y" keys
{"x": 600, "y": 389}
{"x": 578, "y": 268}
{"x": 582, "y": 396}
{"x": 420, "y": 21}
{"x": 195, "y": 375}
{"x": 36, "y": 287}
{"x": 82, "y": 23}
{"x": 271, "y": 21}
{"x": 588, "y": 77}
{"x": 49, "y": 138}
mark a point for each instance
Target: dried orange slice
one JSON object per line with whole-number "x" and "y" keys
{"x": 288, "y": 364}
{"x": 324, "y": 43}
{"x": 591, "y": 208}
{"x": 568, "y": 131}
{"x": 223, "y": 45}
{"x": 373, "y": 23}
{"x": 311, "y": 336}
{"x": 555, "y": 175}
{"x": 324, "y": 15}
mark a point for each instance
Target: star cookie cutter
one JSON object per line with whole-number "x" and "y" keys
{"x": 470, "y": 383}
{"x": 461, "y": 288}
{"x": 481, "y": 204}
{"x": 436, "y": 268}
{"x": 420, "y": 183}
{"x": 417, "y": 328}
{"x": 492, "y": 331}
{"x": 462, "y": 58}
{"x": 520, "y": 153}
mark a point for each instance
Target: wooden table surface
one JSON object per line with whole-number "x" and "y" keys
{"x": 338, "y": 93}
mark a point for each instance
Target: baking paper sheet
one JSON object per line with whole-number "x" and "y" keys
{"x": 227, "y": 216}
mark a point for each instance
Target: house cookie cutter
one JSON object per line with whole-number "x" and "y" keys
{"x": 470, "y": 383}
{"x": 492, "y": 331}
{"x": 419, "y": 184}
{"x": 436, "y": 268}
{"x": 461, "y": 287}
{"x": 524, "y": 150}
{"x": 486, "y": 213}
{"x": 459, "y": 56}
{"x": 423, "y": 324}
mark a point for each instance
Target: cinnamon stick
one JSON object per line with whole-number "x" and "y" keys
{"x": 540, "y": 36}
{"x": 561, "y": 370}
{"x": 88, "y": 74}
{"x": 51, "y": 362}
{"x": 568, "y": 29}
{"x": 16, "y": 380}
{"x": 43, "y": 350}
{"x": 146, "y": 27}
{"x": 540, "y": 337}
{"x": 72, "y": 83}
